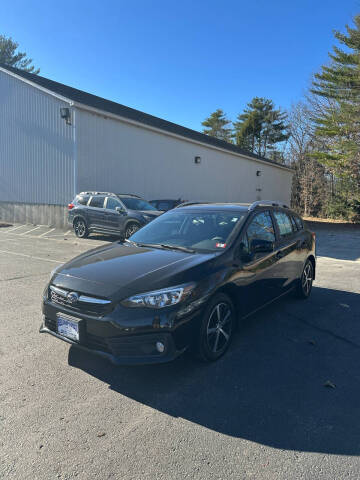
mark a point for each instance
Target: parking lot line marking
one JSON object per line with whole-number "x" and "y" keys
{"x": 19, "y": 226}
{"x": 28, "y": 231}
{"x": 30, "y": 256}
{"x": 46, "y": 233}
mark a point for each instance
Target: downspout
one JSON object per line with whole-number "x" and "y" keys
{"x": 75, "y": 152}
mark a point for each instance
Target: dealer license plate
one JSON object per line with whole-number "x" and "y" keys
{"x": 68, "y": 326}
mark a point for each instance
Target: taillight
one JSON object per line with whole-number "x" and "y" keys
{"x": 70, "y": 206}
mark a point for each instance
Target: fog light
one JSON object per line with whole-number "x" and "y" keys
{"x": 160, "y": 347}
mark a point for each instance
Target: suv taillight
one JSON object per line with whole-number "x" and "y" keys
{"x": 70, "y": 206}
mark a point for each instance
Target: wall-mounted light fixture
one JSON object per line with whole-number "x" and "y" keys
{"x": 65, "y": 114}
{"x": 258, "y": 173}
{"x": 197, "y": 159}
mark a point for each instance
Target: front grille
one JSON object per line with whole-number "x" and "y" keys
{"x": 92, "y": 305}
{"x": 55, "y": 298}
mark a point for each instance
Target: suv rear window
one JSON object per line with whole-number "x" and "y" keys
{"x": 97, "y": 202}
{"x": 284, "y": 223}
{"x": 82, "y": 199}
{"x": 299, "y": 222}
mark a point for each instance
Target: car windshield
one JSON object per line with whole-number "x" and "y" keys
{"x": 207, "y": 231}
{"x": 133, "y": 203}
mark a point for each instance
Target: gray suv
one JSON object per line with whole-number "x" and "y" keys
{"x": 109, "y": 213}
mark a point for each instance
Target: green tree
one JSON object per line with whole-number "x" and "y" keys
{"x": 337, "y": 119}
{"x": 9, "y": 55}
{"x": 217, "y": 126}
{"x": 261, "y": 127}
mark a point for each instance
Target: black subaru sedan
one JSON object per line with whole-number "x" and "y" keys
{"x": 184, "y": 281}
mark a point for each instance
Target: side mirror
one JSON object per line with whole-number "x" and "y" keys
{"x": 261, "y": 246}
{"x": 120, "y": 210}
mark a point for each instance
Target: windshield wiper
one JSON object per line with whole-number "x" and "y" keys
{"x": 162, "y": 245}
{"x": 129, "y": 241}
{"x": 177, "y": 247}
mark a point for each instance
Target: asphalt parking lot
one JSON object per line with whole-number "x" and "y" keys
{"x": 282, "y": 404}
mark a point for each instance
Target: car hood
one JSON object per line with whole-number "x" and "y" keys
{"x": 150, "y": 213}
{"x": 119, "y": 270}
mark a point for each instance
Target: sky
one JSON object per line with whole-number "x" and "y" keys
{"x": 180, "y": 59}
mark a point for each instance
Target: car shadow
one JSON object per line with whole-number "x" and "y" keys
{"x": 291, "y": 379}
{"x": 104, "y": 238}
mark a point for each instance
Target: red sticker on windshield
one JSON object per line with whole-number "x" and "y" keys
{"x": 220, "y": 245}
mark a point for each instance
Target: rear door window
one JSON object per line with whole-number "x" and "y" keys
{"x": 284, "y": 224}
{"x": 97, "y": 202}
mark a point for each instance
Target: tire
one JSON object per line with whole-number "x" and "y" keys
{"x": 216, "y": 329}
{"x": 80, "y": 228}
{"x": 304, "y": 287}
{"x": 131, "y": 228}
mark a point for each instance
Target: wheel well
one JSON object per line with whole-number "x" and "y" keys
{"x": 79, "y": 217}
{"x": 231, "y": 291}
{"x": 132, "y": 220}
{"x": 312, "y": 260}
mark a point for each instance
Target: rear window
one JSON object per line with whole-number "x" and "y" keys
{"x": 284, "y": 223}
{"x": 295, "y": 228}
{"x": 82, "y": 199}
{"x": 97, "y": 202}
{"x": 299, "y": 223}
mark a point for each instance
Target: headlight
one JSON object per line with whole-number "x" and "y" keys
{"x": 159, "y": 298}
{"x": 55, "y": 270}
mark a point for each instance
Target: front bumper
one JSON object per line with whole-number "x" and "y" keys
{"x": 124, "y": 338}
{"x": 131, "y": 350}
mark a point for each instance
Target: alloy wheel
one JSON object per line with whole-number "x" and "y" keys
{"x": 131, "y": 229}
{"x": 219, "y": 327}
{"x": 307, "y": 279}
{"x": 80, "y": 228}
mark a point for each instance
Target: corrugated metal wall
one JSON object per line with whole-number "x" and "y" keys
{"x": 118, "y": 157}
{"x": 36, "y": 146}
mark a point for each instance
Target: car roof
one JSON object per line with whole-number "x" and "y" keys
{"x": 233, "y": 206}
{"x": 165, "y": 200}
{"x": 215, "y": 206}
{"x": 121, "y": 195}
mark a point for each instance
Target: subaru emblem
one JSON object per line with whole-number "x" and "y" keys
{"x": 73, "y": 297}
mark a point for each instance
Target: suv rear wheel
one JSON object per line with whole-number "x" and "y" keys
{"x": 80, "y": 228}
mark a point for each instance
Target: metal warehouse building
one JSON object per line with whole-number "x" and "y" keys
{"x": 56, "y": 141}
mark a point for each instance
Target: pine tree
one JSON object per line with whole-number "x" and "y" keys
{"x": 338, "y": 119}
{"x": 10, "y": 56}
{"x": 261, "y": 127}
{"x": 216, "y": 126}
